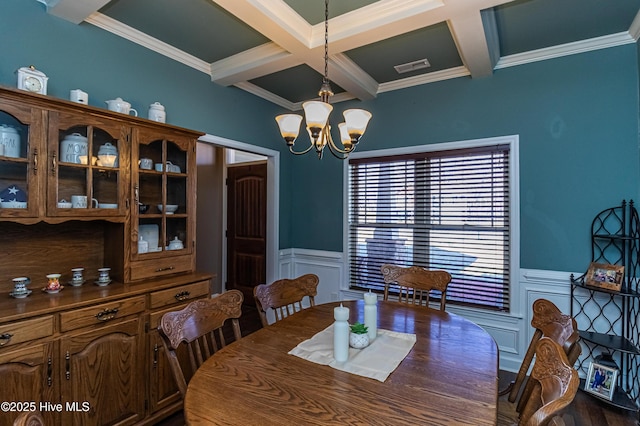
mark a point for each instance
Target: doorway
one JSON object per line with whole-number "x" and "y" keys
{"x": 215, "y": 156}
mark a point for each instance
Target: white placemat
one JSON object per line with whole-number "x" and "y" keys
{"x": 376, "y": 361}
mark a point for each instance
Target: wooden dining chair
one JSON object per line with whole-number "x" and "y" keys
{"x": 556, "y": 383}
{"x": 199, "y": 328}
{"x": 285, "y": 296}
{"x": 29, "y": 418}
{"x": 415, "y": 283}
{"x": 549, "y": 321}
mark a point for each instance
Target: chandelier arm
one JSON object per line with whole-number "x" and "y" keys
{"x": 333, "y": 147}
{"x": 311, "y": 145}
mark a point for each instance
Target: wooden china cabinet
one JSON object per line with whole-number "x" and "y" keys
{"x": 90, "y": 354}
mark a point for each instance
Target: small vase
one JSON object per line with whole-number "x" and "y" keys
{"x": 358, "y": 341}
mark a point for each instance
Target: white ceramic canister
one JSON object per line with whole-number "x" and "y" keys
{"x": 108, "y": 155}
{"x": 72, "y": 148}
{"x": 157, "y": 112}
{"x": 10, "y": 138}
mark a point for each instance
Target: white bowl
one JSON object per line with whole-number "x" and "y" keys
{"x": 64, "y": 205}
{"x": 13, "y": 204}
{"x": 107, "y": 206}
{"x": 171, "y": 208}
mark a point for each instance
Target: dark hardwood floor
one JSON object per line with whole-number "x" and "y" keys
{"x": 586, "y": 410}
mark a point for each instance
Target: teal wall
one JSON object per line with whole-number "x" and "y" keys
{"x": 577, "y": 118}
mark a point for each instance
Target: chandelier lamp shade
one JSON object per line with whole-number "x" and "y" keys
{"x": 316, "y": 114}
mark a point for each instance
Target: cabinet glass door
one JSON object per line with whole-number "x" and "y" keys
{"x": 161, "y": 182}
{"x": 87, "y": 159}
{"x": 21, "y": 138}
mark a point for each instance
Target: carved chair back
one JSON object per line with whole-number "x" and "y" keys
{"x": 416, "y": 283}
{"x": 198, "y": 328}
{"x": 548, "y": 321}
{"x": 556, "y": 382}
{"x": 285, "y": 296}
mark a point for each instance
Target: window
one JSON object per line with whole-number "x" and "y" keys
{"x": 439, "y": 210}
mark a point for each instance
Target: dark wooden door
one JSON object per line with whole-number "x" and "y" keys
{"x": 246, "y": 228}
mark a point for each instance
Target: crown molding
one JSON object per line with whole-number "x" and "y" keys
{"x": 567, "y": 49}
{"x": 417, "y": 80}
{"x": 118, "y": 28}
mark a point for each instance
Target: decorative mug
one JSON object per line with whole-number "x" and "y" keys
{"x": 53, "y": 282}
{"x": 20, "y": 284}
{"x": 76, "y": 277}
{"x": 80, "y": 202}
{"x": 103, "y": 275}
{"x": 146, "y": 163}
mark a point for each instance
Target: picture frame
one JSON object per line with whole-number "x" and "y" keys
{"x": 601, "y": 380}
{"x": 604, "y": 275}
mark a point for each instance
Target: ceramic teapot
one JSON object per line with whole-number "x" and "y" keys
{"x": 120, "y": 105}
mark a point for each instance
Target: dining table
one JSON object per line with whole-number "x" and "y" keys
{"x": 448, "y": 377}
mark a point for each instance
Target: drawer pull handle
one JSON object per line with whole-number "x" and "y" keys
{"x": 107, "y": 314}
{"x": 6, "y": 338}
{"x": 183, "y": 295}
{"x": 169, "y": 268}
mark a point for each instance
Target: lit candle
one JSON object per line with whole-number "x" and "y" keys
{"x": 341, "y": 333}
{"x": 371, "y": 314}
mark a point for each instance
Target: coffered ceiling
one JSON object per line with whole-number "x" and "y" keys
{"x": 275, "y": 48}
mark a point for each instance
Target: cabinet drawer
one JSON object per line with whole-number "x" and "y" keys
{"x": 100, "y": 314}
{"x": 159, "y": 267}
{"x": 23, "y": 331}
{"x": 179, "y": 294}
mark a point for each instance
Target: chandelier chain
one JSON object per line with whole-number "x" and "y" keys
{"x": 326, "y": 41}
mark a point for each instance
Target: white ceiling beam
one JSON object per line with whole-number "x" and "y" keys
{"x": 468, "y": 34}
{"x": 73, "y": 10}
{"x": 244, "y": 66}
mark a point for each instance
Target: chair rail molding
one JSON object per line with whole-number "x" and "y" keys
{"x": 511, "y": 331}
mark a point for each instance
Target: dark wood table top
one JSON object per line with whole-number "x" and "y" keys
{"x": 450, "y": 377}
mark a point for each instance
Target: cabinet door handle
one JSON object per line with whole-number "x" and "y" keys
{"x": 67, "y": 373}
{"x": 6, "y": 338}
{"x": 107, "y": 314}
{"x": 168, "y": 268}
{"x": 49, "y": 368}
{"x": 155, "y": 355}
{"x": 183, "y": 295}
{"x": 35, "y": 161}
{"x": 53, "y": 164}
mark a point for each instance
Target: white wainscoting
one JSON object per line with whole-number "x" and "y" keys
{"x": 512, "y": 332}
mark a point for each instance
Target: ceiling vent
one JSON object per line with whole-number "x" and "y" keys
{"x": 412, "y": 66}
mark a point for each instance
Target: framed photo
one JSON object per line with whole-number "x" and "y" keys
{"x": 603, "y": 275}
{"x": 601, "y": 380}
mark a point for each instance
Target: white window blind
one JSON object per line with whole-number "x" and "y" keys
{"x": 439, "y": 210}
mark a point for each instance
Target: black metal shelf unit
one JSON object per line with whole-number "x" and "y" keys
{"x": 608, "y": 319}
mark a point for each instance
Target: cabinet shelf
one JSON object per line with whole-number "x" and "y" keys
{"x": 617, "y": 343}
{"x": 624, "y": 292}
{"x": 620, "y": 399}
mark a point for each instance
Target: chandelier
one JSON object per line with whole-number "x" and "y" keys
{"x": 317, "y": 116}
